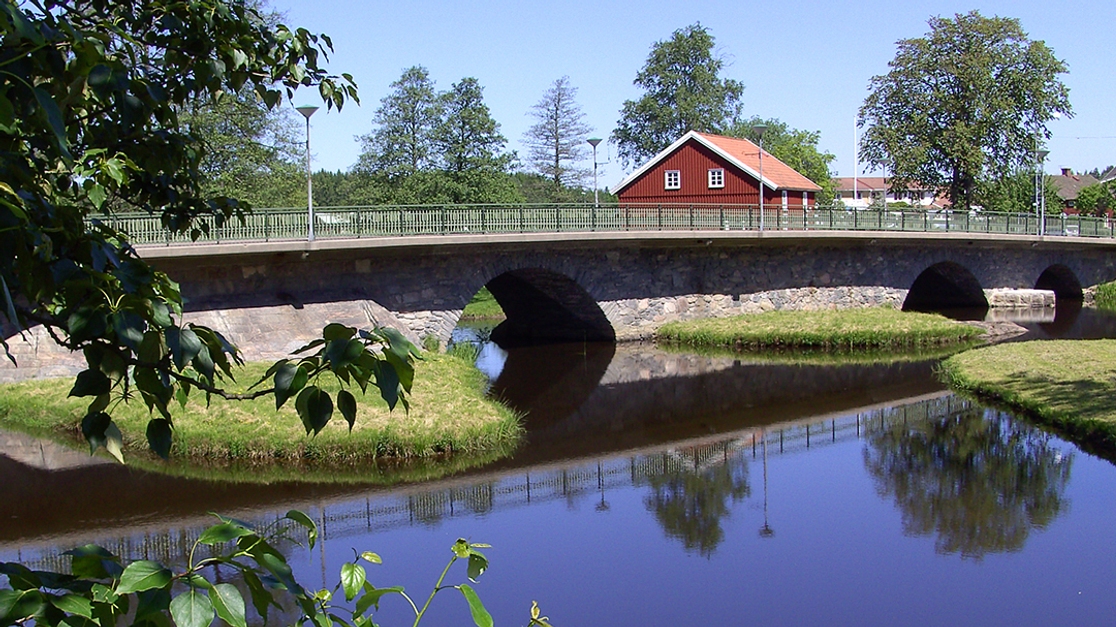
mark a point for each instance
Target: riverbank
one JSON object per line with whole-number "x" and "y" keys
{"x": 1065, "y": 385}
{"x": 449, "y": 414}
{"x": 871, "y": 328}
{"x": 483, "y": 307}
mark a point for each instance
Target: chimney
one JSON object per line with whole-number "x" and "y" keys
{"x": 1067, "y": 171}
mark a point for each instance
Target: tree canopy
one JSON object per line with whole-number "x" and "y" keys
{"x": 794, "y": 147}
{"x": 683, "y": 91}
{"x": 967, "y": 102}
{"x": 91, "y": 99}
{"x": 556, "y": 142}
{"x": 433, "y": 147}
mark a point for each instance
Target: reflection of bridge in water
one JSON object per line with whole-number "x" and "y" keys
{"x": 573, "y": 481}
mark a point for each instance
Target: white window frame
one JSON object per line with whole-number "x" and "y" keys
{"x": 716, "y": 178}
{"x": 805, "y": 199}
{"x": 672, "y": 179}
{"x": 784, "y": 200}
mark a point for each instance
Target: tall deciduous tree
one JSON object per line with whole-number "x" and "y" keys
{"x": 90, "y": 92}
{"x": 967, "y": 102}
{"x": 252, "y": 152}
{"x": 556, "y": 142}
{"x": 683, "y": 91}
{"x": 470, "y": 147}
{"x": 406, "y": 120}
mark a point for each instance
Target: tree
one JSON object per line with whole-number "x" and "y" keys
{"x": 251, "y": 152}
{"x": 963, "y": 104}
{"x": 403, "y": 142}
{"x": 470, "y": 148}
{"x": 90, "y": 96}
{"x": 1096, "y": 200}
{"x": 683, "y": 91}
{"x": 556, "y": 142}
{"x": 1015, "y": 193}
{"x": 798, "y": 149}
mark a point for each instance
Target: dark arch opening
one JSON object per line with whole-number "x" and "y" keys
{"x": 1063, "y": 282}
{"x": 947, "y": 288}
{"x": 545, "y": 307}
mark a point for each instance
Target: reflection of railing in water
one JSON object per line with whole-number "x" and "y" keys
{"x": 349, "y": 518}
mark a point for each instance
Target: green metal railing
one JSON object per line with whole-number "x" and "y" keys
{"x": 411, "y": 220}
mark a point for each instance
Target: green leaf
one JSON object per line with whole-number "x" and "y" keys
{"x": 93, "y": 562}
{"x": 159, "y": 436}
{"x": 388, "y": 382}
{"x": 114, "y": 442}
{"x": 372, "y": 596}
{"x": 152, "y": 606}
{"x": 19, "y": 605}
{"x": 191, "y": 609}
{"x": 143, "y": 575}
{"x": 184, "y": 345}
{"x": 371, "y": 557}
{"x": 335, "y": 331}
{"x": 91, "y": 383}
{"x": 478, "y": 563}
{"x": 129, "y": 328}
{"x": 481, "y": 617}
{"x": 229, "y": 604}
{"x": 54, "y": 119}
{"x": 223, "y": 532}
{"x": 261, "y": 598}
{"x": 93, "y": 427}
{"x": 346, "y": 402}
{"x": 72, "y": 604}
{"x": 315, "y": 408}
{"x": 278, "y": 566}
{"x": 160, "y": 314}
{"x": 290, "y": 378}
{"x": 353, "y": 577}
{"x": 307, "y": 523}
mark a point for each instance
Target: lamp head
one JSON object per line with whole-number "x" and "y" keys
{"x": 759, "y": 129}
{"x": 593, "y": 141}
{"x": 306, "y": 111}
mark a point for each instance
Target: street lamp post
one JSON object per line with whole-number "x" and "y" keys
{"x": 759, "y": 130}
{"x": 307, "y": 111}
{"x": 1040, "y": 189}
{"x": 593, "y": 141}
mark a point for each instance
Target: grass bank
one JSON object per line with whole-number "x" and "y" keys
{"x": 483, "y": 307}
{"x": 871, "y": 328}
{"x": 449, "y": 415}
{"x": 1106, "y": 295}
{"x": 1066, "y": 385}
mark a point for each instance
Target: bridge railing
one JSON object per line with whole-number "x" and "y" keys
{"x": 411, "y": 220}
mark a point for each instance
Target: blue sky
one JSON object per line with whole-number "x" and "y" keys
{"x": 807, "y": 63}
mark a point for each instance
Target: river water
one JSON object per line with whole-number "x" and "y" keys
{"x": 667, "y": 488}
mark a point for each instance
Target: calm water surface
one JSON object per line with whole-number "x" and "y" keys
{"x": 659, "y": 488}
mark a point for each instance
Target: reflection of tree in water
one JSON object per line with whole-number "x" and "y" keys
{"x": 979, "y": 480}
{"x": 690, "y": 492}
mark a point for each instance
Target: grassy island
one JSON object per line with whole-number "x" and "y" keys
{"x": 1066, "y": 385}
{"x": 449, "y": 414}
{"x": 871, "y": 328}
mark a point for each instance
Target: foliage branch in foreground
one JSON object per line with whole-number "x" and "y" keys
{"x": 90, "y": 92}
{"x": 104, "y": 590}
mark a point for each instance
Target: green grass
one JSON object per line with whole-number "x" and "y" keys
{"x": 1106, "y": 295}
{"x": 822, "y": 356}
{"x": 483, "y": 307}
{"x": 872, "y": 328}
{"x": 1065, "y": 385}
{"x": 449, "y": 417}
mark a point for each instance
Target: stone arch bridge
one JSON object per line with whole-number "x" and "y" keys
{"x": 608, "y": 285}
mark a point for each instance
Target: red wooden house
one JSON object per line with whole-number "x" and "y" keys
{"x": 705, "y": 168}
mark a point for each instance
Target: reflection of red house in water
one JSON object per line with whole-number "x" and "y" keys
{"x": 704, "y": 168}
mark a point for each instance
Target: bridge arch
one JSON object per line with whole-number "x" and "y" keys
{"x": 545, "y": 306}
{"x": 1061, "y": 280}
{"x": 945, "y": 285}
